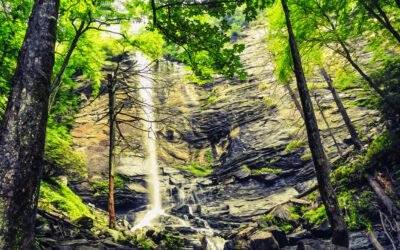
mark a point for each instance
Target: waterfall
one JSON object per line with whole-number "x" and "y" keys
{"x": 146, "y": 94}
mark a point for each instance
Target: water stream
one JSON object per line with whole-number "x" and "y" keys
{"x": 155, "y": 212}
{"x": 146, "y": 94}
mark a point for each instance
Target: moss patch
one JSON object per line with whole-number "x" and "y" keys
{"x": 61, "y": 197}
{"x": 196, "y": 169}
{"x": 266, "y": 171}
{"x": 295, "y": 145}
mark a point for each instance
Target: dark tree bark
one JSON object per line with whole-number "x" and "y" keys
{"x": 22, "y": 135}
{"x": 321, "y": 111}
{"x": 111, "y": 156}
{"x": 339, "y": 230}
{"x": 294, "y": 99}
{"x": 381, "y": 16}
{"x": 349, "y": 125}
{"x": 398, "y": 3}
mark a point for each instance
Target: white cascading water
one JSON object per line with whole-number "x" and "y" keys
{"x": 151, "y": 164}
{"x": 146, "y": 94}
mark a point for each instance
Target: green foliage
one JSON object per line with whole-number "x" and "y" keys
{"x": 196, "y": 169}
{"x": 102, "y": 186}
{"x": 266, "y": 171}
{"x": 237, "y": 22}
{"x": 144, "y": 243}
{"x": 60, "y": 157}
{"x": 315, "y": 216}
{"x": 389, "y": 79}
{"x": 202, "y": 40}
{"x": 173, "y": 242}
{"x": 359, "y": 209}
{"x": 380, "y": 154}
{"x": 349, "y": 177}
{"x": 14, "y": 16}
{"x": 283, "y": 224}
{"x": 295, "y": 145}
{"x": 61, "y": 197}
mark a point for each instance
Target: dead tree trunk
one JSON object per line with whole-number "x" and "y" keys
{"x": 349, "y": 125}
{"x": 294, "y": 99}
{"x": 23, "y": 130}
{"x": 340, "y": 236}
{"x": 385, "y": 199}
{"x": 327, "y": 125}
{"x": 374, "y": 241}
{"x": 111, "y": 156}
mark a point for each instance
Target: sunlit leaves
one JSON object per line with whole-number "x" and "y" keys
{"x": 201, "y": 29}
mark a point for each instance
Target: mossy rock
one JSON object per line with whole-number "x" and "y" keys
{"x": 116, "y": 235}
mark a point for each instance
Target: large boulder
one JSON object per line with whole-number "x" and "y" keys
{"x": 85, "y": 222}
{"x": 263, "y": 241}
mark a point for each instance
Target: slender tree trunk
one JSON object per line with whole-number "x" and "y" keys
{"x": 57, "y": 80}
{"x": 382, "y": 18}
{"x": 294, "y": 99}
{"x": 352, "y": 131}
{"x": 327, "y": 125}
{"x": 111, "y": 156}
{"x": 23, "y": 130}
{"x": 398, "y": 3}
{"x": 339, "y": 230}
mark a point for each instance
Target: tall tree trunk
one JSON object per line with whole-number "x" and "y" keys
{"x": 23, "y": 131}
{"x": 294, "y": 99}
{"x": 352, "y": 131}
{"x": 339, "y": 230}
{"x": 55, "y": 85}
{"x": 321, "y": 111}
{"x": 111, "y": 156}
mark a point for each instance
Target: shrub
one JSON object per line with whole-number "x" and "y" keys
{"x": 358, "y": 209}
{"x": 283, "y": 224}
{"x": 315, "y": 216}
{"x": 60, "y": 158}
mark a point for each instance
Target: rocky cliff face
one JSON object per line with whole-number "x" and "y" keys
{"x": 248, "y": 132}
